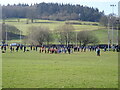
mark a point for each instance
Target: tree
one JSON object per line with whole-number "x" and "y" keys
{"x": 104, "y": 21}
{"x": 51, "y": 10}
{"x": 49, "y": 37}
{"x": 86, "y": 37}
{"x": 65, "y": 34}
{"x": 39, "y": 35}
{"x": 31, "y": 13}
{"x": 74, "y": 16}
{"x": 111, "y": 19}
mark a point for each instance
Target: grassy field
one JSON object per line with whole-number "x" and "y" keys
{"x": 99, "y": 31}
{"x": 77, "y": 70}
{"x": 102, "y": 35}
{"x": 52, "y": 25}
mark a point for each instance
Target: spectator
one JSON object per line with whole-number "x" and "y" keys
{"x": 17, "y": 48}
{"x": 98, "y": 51}
{"x": 105, "y": 49}
{"x": 69, "y": 50}
{"x": 11, "y": 49}
{"x": 24, "y": 48}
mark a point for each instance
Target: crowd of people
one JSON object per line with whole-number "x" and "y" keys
{"x": 55, "y": 49}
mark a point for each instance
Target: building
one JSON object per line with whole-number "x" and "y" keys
{"x": 119, "y": 8}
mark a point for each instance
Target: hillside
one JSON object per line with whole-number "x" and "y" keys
{"x": 94, "y": 27}
{"x": 52, "y": 25}
{"x": 52, "y": 11}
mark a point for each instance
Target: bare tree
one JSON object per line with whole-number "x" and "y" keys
{"x": 39, "y": 35}
{"x": 111, "y": 19}
{"x": 86, "y": 37}
{"x": 65, "y": 33}
{"x": 104, "y": 21}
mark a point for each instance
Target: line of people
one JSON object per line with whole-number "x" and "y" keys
{"x": 44, "y": 49}
{"x": 52, "y": 49}
{"x": 13, "y": 48}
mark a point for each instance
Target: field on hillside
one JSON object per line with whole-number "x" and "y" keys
{"x": 99, "y": 31}
{"x": 52, "y": 25}
{"x": 103, "y": 35}
{"x": 77, "y": 70}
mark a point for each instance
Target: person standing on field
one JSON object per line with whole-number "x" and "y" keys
{"x": 5, "y": 48}
{"x": 105, "y": 49}
{"x": 98, "y": 51}
{"x": 69, "y": 50}
{"x": 11, "y": 49}
{"x": 31, "y": 47}
{"x": 24, "y": 48}
{"x": 17, "y": 48}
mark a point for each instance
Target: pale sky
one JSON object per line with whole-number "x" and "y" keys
{"x": 100, "y": 4}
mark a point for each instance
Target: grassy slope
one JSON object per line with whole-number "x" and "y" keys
{"x": 99, "y": 31}
{"x": 48, "y": 23}
{"x": 79, "y": 70}
{"x": 103, "y": 35}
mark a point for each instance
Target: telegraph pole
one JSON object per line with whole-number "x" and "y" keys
{"x": 6, "y": 34}
{"x": 20, "y": 37}
{"x": 67, "y": 39}
{"x": 108, "y": 34}
{"x": 76, "y": 38}
{"x": 113, "y": 5}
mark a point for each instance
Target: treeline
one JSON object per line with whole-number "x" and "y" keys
{"x": 111, "y": 20}
{"x": 64, "y": 35}
{"x": 52, "y": 11}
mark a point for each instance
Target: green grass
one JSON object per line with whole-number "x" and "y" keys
{"x": 99, "y": 31}
{"x": 52, "y": 25}
{"x": 103, "y": 35}
{"x": 78, "y": 70}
